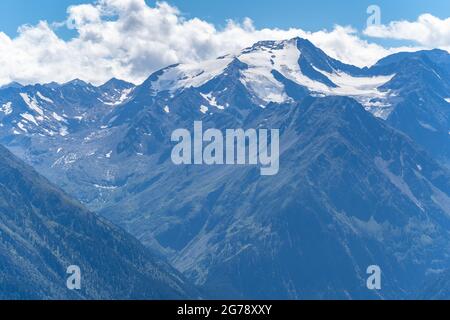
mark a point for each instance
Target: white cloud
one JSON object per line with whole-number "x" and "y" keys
{"x": 344, "y": 44}
{"x": 128, "y": 39}
{"x": 428, "y": 31}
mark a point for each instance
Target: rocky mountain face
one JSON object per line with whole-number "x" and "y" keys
{"x": 51, "y": 110}
{"x": 422, "y": 83}
{"x": 363, "y": 173}
{"x": 43, "y": 232}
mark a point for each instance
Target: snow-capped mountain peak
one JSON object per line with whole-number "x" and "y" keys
{"x": 116, "y": 91}
{"x": 13, "y": 84}
{"x": 296, "y": 60}
{"x": 292, "y": 60}
{"x": 58, "y": 109}
{"x": 189, "y": 75}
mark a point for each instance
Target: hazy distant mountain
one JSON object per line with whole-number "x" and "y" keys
{"x": 54, "y": 110}
{"x": 422, "y": 84}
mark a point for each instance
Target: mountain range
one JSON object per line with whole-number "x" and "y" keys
{"x": 363, "y": 180}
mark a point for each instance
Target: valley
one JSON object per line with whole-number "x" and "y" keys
{"x": 363, "y": 175}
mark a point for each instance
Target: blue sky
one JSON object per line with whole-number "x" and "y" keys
{"x": 309, "y": 15}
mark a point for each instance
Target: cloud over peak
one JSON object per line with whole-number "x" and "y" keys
{"x": 128, "y": 39}
{"x": 428, "y": 31}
